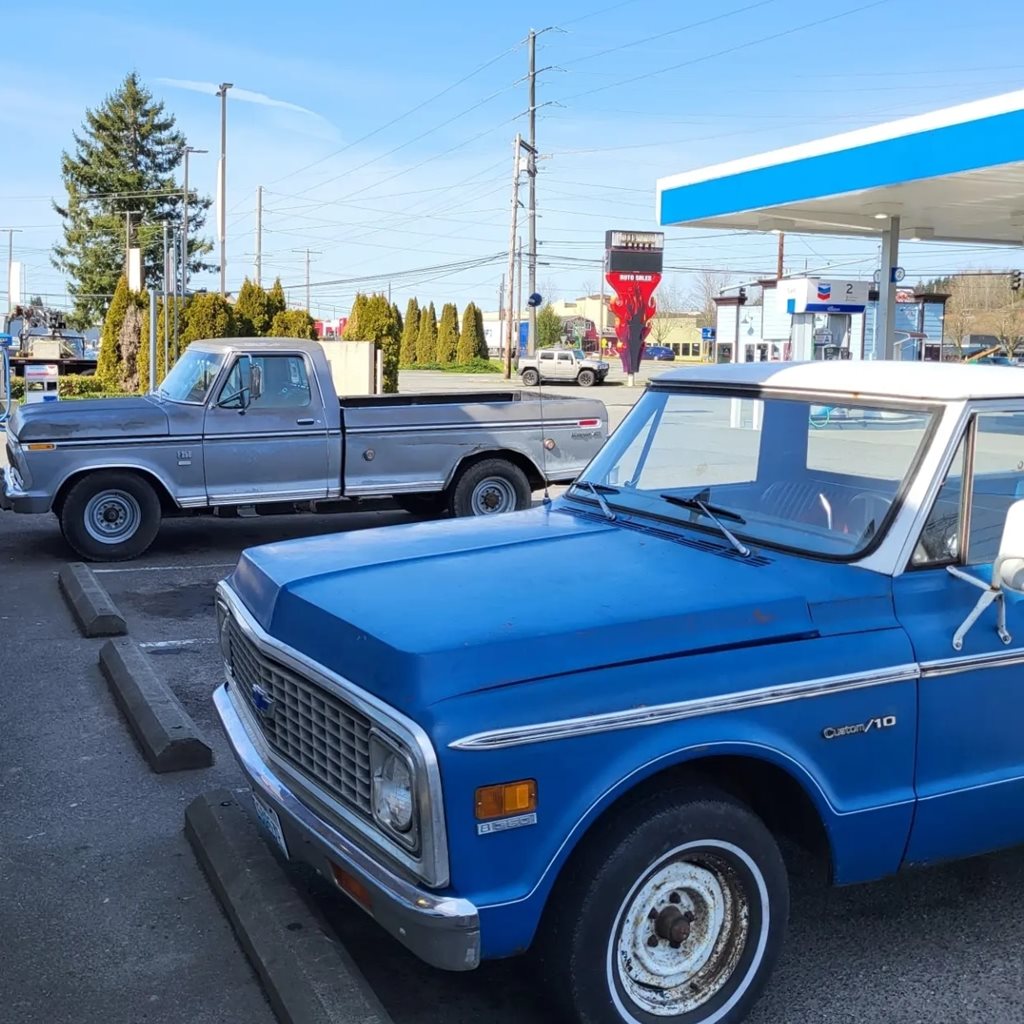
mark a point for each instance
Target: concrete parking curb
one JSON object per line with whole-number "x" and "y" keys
{"x": 169, "y": 738}
{"x": 308, "y": 976}
{"x": 95, "y": 612}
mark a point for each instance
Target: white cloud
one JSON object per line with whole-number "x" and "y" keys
{"x": 242, "y": 95}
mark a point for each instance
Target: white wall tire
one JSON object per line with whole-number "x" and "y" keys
{"x": 675, "y": 915}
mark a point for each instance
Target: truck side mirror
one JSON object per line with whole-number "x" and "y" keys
{"x": 1008, "y": 568}
{"x": 255, "y": 380}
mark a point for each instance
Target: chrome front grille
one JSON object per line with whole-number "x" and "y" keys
{"x": 320, "y": 735}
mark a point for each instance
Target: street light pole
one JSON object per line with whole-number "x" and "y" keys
{"x": 184, "y": 219}
{"x": 222, "y": 92}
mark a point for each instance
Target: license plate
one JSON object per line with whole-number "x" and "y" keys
{"x": 271, "y": 822}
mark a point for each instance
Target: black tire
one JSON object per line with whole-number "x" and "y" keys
{"x": 586, "y": 378}
{"x": 662, "y": 850}
{"x": 422, "y": 504}
{"x": 531, "y": 378}
{"x": 509, "y": 490}
{"x": 127, "y": 496}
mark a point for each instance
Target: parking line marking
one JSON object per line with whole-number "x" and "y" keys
{"x": 173, "y": 645}
{"x": 168, "y": 568}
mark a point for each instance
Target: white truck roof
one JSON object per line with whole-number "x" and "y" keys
{"x": 916, "y": 380}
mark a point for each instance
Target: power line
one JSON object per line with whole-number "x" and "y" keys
{"x": 730, "y": 49}
{"x": 401, "y": 117}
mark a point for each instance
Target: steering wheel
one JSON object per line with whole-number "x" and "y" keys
{"x": 875, "y": 509}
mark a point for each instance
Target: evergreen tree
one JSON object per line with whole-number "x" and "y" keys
{"x": 110, "y": 361}
{"x": 426, "y": 339}
{"x": 276, "y": 301}
{"x": 252, "y": 311}
{"x": 206, "y": 316}
{"x": 481, "y": 335}
{"x": 410, "y": 332}
{"x": 293, "y": 323}
{"x": 399, "y": 323}
{"x": 130, "y": 342}
{"x": 354, "y": 328}
{"x": 378, "y": 323}
{"x": 124, "y": 160}
{"x": 448, "y": 334}
{"x": 469, "y": 344}
{"x": 549, "y": 327}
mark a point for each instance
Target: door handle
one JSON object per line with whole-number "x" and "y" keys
{"x": 306, "y": 422}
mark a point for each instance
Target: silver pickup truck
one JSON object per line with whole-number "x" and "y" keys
{"x": 254, "y": 426}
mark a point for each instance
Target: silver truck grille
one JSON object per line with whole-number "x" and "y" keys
{"x": 323, "y": 737}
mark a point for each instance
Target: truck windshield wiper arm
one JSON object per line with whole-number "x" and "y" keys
{"x": 599, "y": 491}
{"x": 713, "y": 512}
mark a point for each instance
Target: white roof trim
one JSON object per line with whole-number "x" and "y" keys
{"x": 961, "y": 114}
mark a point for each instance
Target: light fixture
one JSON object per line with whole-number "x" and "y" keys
{"x": 881, "y": 216}
{"x": 921, "y": 234}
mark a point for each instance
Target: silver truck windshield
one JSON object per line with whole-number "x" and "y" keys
{"x": 808, "y": 475}
{"x": 191, "y": 377}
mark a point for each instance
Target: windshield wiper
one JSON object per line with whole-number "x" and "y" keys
{"x": 599, "y": 491}
{"x": 713, "y": 512}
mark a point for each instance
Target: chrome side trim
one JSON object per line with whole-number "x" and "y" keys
{"x": 971, "y": 663}
{"x": 265, "y": 497}
{"x": 659, "y": 714}
{"x": 410, "y": 487}
{"x": 493, "y": 426}
{"x": 121, "y": 442}
{"x": 432, "y": 865}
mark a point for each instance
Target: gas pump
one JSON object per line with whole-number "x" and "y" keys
{"x": 821, "y": 314}
{"x": 5, "y": 378}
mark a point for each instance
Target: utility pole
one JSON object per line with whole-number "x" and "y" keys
{"x": 10, "y": 264}
{"x": 782, "y": 256}
{"x": 175, "y": 255}
{"x": 518, "y": 145}
{"x": 128, "y": 214}
{"x": 519, "y": 294}
{"x": 167, "y": 276}
{"x": 308, "y": 252}
{"x": 222, "y": 183}
{"x": 184, "y": 228}
{"x": 531, "y": 336}
{"x": 259, "y": 236}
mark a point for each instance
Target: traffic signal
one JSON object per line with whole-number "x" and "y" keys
{"x": 1015, "y": 280}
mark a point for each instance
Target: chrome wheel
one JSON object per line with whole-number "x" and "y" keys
{"x": 493, "y": 495}
{"x": 682, "y": 930}
{"x": 112, "y": 516}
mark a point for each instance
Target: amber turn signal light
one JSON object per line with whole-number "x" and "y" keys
{"x": 506, "y": 798}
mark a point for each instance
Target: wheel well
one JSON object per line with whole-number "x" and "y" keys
{"x": 166, "y": 501}
{"x": 516, "y": 458}
{"x": 771, "y": 792}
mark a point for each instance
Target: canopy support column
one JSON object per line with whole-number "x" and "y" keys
{"x": 885, "y": 318}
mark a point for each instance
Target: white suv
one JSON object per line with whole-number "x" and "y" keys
{"x": 563, "y": 364}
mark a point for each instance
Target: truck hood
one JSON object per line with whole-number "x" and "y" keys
{"x": 420, "y": 613}
{"x": 92, "y": 418}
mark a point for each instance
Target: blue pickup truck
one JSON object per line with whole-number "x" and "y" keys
{"x": 782, "y": 604}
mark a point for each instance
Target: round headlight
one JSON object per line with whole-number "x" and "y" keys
{"x": 392, "y": 793}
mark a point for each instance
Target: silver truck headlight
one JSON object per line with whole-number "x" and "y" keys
{"x": 393, "y": 793}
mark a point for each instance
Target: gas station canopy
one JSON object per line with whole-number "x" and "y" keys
{"x": 953, "y": 175}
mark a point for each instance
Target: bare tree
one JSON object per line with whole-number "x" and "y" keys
{"x": 670, "y": 302}
{"x": 707, "y": 287}
{"x": 985, "y": 304}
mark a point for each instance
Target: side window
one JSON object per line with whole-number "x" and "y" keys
{"x": 565, "y": 357}
{"x": 996, "y": 482}
{"x": 547, "y": 356}
{"x": 283, "y": 381}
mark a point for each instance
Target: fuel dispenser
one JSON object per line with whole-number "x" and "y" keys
{"x": 821, "y": 312}
{"x": 42, "y": 383}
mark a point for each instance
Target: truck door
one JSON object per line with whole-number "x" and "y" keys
{"x": 565, "y": 366}
{"x": 276, "y": 447}
{"x": 970, "y": 767}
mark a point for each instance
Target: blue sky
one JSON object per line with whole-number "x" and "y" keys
{"x": 379, "y": 200}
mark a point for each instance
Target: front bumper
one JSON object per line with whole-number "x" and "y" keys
{"x": 14, "y": 498}
{"x": 443, "y": 931}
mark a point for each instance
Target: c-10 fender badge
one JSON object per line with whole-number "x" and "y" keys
{"x": 488, "y": 828}
{"x": 837, "y": 732}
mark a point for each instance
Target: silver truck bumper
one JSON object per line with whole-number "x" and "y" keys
{"x": 13, "y": 497}
{"x": 443, "y": 931}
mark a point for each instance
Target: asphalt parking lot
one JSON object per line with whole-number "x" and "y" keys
{"x": 106, "y": 918}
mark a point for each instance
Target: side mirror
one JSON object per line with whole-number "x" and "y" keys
{"x": 1008, "y": 568}
{"x": 255, "y": 380}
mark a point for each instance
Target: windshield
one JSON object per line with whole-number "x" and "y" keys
{"x": 821, "y": 479}
{"x": 192, "y": 376}
{"x": 579, "y": 353}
